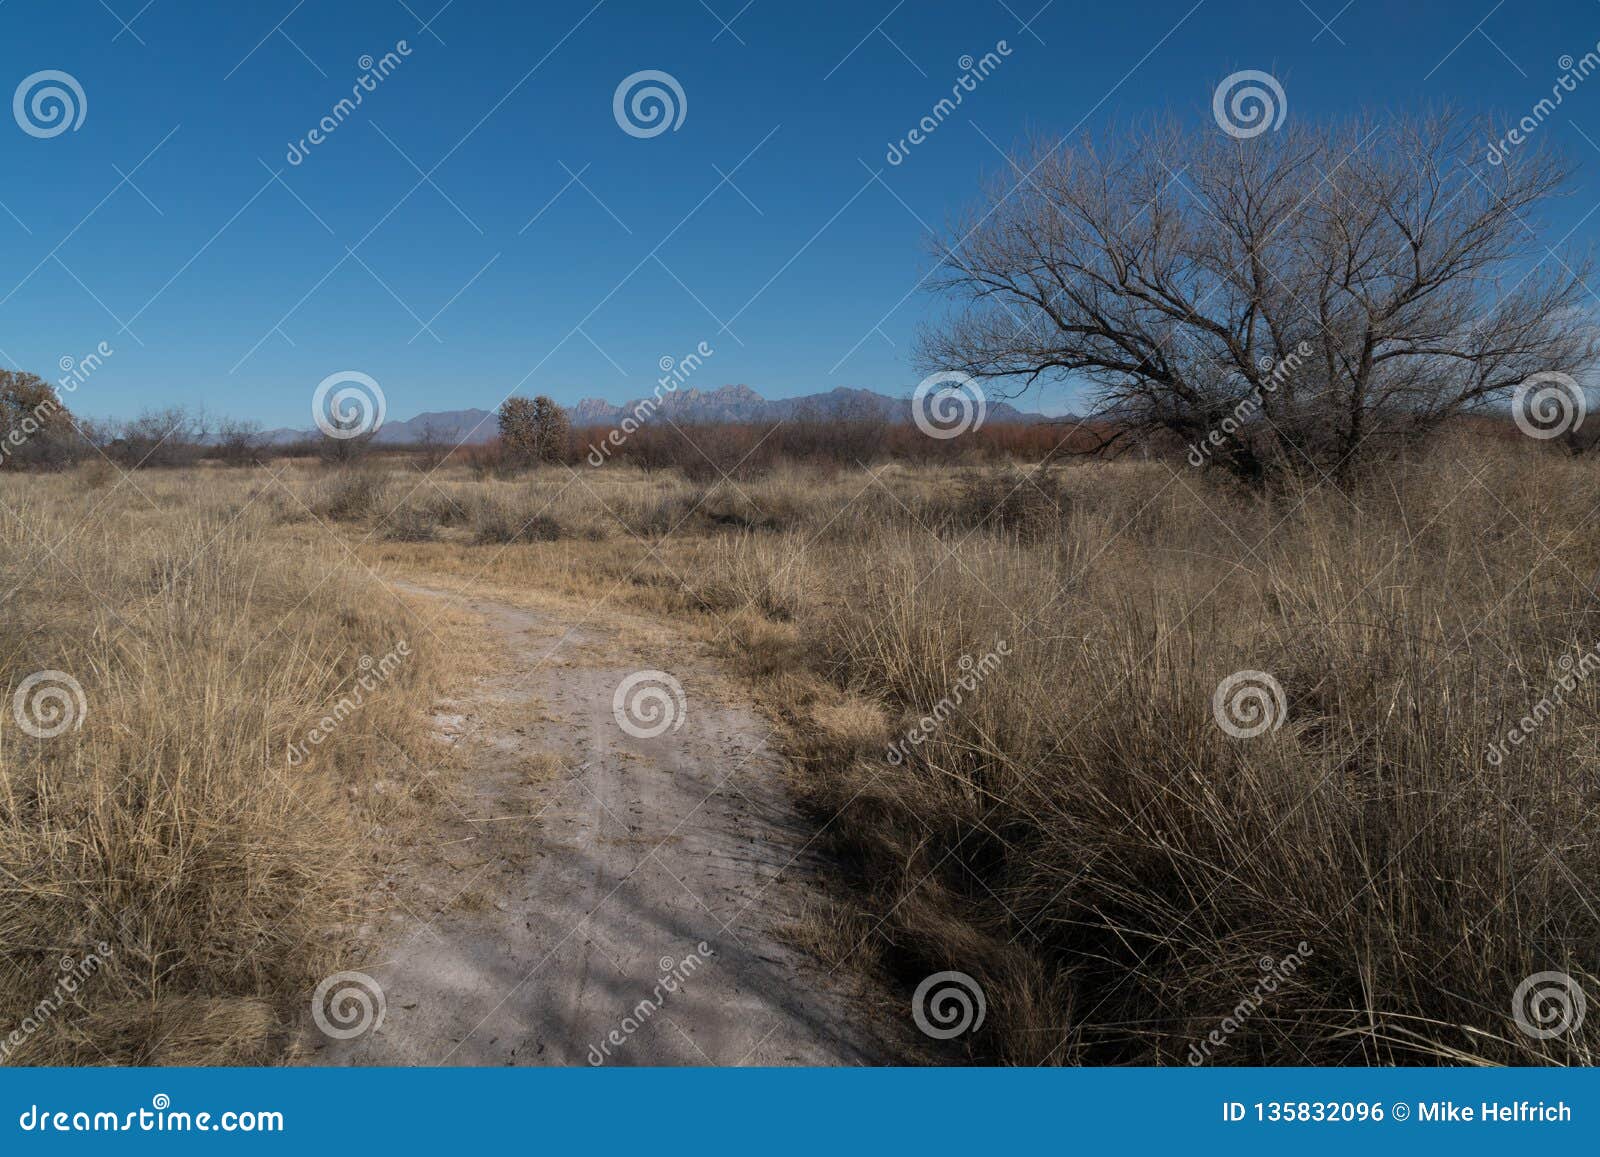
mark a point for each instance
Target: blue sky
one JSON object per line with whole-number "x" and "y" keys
{"x": 550, "y": 251}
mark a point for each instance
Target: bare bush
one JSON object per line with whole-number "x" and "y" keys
{"x": 496, "y": 521}
{"x": 412, "y": 523}
{"x": 157, "y": 438}
{"x": 239, "y": 442}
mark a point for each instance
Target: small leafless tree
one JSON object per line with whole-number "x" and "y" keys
{"x": 239, "y": 442}
{"x": 433, "y": 446}
{"x": 533, "y": 429}
{"x": 1303, "y": 299}
{"x": 349, "y": 443}
{"x": 158, "y": 438}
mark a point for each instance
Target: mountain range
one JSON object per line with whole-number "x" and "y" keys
{"x": 724, "y": 404}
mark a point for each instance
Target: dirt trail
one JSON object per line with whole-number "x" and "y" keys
{"x": 561, "y": 898}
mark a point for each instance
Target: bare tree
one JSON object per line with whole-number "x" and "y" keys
{"x": 533, "y": 430}
{"x": 1302, "y": 299}
{"x": 554, "y": 430}
{"x": 433, "y": 445}
{"x": 239, "y": 442}
{"x": 169, "y": 437}
{"x": 345, "y": 442}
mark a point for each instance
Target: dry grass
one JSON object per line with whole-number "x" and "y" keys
{"x": 1079, "y": 834}
{"x": 210, "y": 625}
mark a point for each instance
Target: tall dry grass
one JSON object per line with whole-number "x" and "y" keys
{"x": 1118, "y": 865}
{"x": 1079, "y": 834}
{"x": 210, "y": 622}
{"x": 1076, "y": 831}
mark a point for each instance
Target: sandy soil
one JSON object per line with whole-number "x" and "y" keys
{"x": 629, "y": 888}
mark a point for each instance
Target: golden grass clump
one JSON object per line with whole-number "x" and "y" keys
{"x": 182, "y": 829}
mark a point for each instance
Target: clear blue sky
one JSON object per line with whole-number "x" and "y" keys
{"x": 243, "y": 292}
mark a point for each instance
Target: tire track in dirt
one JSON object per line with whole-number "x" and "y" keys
{"x": 634, "y": 892}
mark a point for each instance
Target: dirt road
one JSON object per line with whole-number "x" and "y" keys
{"x": 617, "y": 904}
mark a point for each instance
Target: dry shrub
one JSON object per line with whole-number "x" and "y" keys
{"x": 352, "y": 494}
{"x": 1029, "y": 504}
{"x": 96, "y": 472}
{"x": 412, "y": 523}
{"x": 497, "y": 521}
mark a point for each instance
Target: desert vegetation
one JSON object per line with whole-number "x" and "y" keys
{"x": 1079, "y": 832}
{"x": 1076, "y": 831}
{"x": 170, "y": 646}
